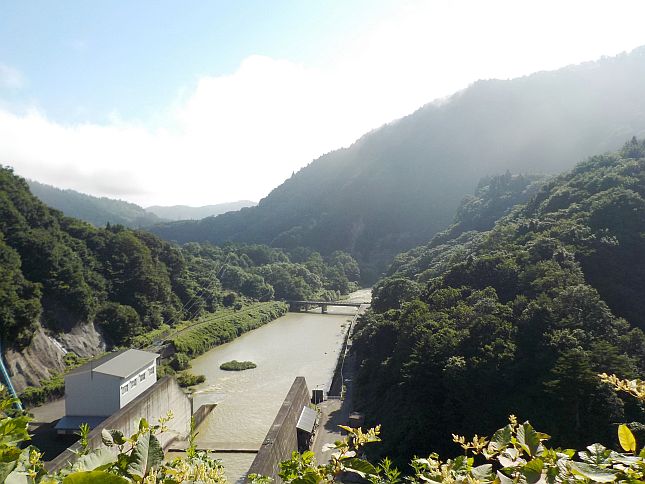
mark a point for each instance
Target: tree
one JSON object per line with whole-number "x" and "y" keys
{"x": 120, "y": 323}
{"x": 389, "y": 293}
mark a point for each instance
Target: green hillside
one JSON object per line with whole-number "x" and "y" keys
{"x": 399, "y": 185}
{"x": 517, "y": 319}
{"x": 98, "y": 211}
{"x": 58, "y": 271}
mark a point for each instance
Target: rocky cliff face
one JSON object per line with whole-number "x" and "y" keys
{"x": 44, "y": 355}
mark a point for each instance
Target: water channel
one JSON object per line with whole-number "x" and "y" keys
{"x": 297, "y": 344}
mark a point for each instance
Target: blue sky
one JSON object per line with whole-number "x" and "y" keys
{"x": 198, "y": 102}
{"x": 87, "y": 60}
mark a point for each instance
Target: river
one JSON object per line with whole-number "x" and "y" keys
{"x": 297, "y": 344}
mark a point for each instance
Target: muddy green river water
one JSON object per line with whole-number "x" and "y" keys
{"x": 297, "y": 344}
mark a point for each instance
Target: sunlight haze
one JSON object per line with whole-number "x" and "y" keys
{"x": 157, "y": 128}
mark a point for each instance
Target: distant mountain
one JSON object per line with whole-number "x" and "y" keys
{"x": 96, "y": 210}
{"x": 100, "y": 210}
{"x": 184, "y": 212}
{"x": 400, "y": 184}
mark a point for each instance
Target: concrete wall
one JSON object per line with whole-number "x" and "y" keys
{"x": 202, "y": 412}
{"x": 92, "y": 394}
{"x": 95, "y": 394}
{"x": 282, "y": 438}
{"x": 155, "y": 402}
{"x": 141, "y": 386}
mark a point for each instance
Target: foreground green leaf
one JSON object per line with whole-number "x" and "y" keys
{"x": 360, "y": 467}
{"x": 626, "y": 438}
{"x": 592, "y": 472}
{"x": 94, "y": 477}
{"x": 146, "y": 455}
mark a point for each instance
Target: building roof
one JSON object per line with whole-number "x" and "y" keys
{"x": 126, "y": 363}
{"x": 119, "y": 363}
{"x": 307, "y": 420}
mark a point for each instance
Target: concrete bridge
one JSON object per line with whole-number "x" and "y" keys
{"x": 297, "y": 306}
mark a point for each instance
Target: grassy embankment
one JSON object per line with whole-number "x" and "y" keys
{"x": 215, "y": 330}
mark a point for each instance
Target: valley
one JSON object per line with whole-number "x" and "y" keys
{"x": 475, "y": 267}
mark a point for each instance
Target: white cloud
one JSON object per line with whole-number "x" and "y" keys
{"x": 10, "y": 77}
{"x": 240, "y": 135}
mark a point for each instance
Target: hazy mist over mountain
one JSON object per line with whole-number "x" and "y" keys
{"x": 400, "y": 184}
{"x": 184, "y": 212}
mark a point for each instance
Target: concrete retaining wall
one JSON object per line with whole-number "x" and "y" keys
{"x": 155, "y": 402}
{"x": 202, "y": 412}
{"x": 282, "y": 439}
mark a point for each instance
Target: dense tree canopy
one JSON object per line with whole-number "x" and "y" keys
{"x": 518, "y": 319}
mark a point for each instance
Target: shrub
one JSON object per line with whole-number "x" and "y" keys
{"x": 49, "y": 389}
{"x": 235, "y": 365}
{"x": 187, "y": 379}
{"x": 180, "y": 361}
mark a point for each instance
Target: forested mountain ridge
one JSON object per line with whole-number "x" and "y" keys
{"x": 99, "y": 211}
{"x": 399, "y": 185}
{"x": 59, "y": 273}
{"x": 184, "y": 212}
{"x": 518, "y": 319}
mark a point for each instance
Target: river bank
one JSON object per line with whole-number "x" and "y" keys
{"x": 335, "y": 412}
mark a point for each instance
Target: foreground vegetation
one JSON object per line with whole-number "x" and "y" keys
{"x": 515, "y": 318}
{"x": 516, "y": 453}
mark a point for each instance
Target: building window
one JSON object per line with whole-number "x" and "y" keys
{"x": 133, "y": 383}
{"x": 151, "y": 370}
{"x": 142, "y": 376}
{"x": 124, "y": 389}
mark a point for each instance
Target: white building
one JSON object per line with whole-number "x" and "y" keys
{"x": 100, "y": 388}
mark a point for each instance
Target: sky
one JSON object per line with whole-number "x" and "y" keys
{"x": 198, "y": 102}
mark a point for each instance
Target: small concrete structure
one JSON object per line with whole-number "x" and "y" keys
{"x": 282, "y": 438}
{"x": 306, "y": 427}
{"x": 101, "y": 388}
{"x": 317, "y": 396}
